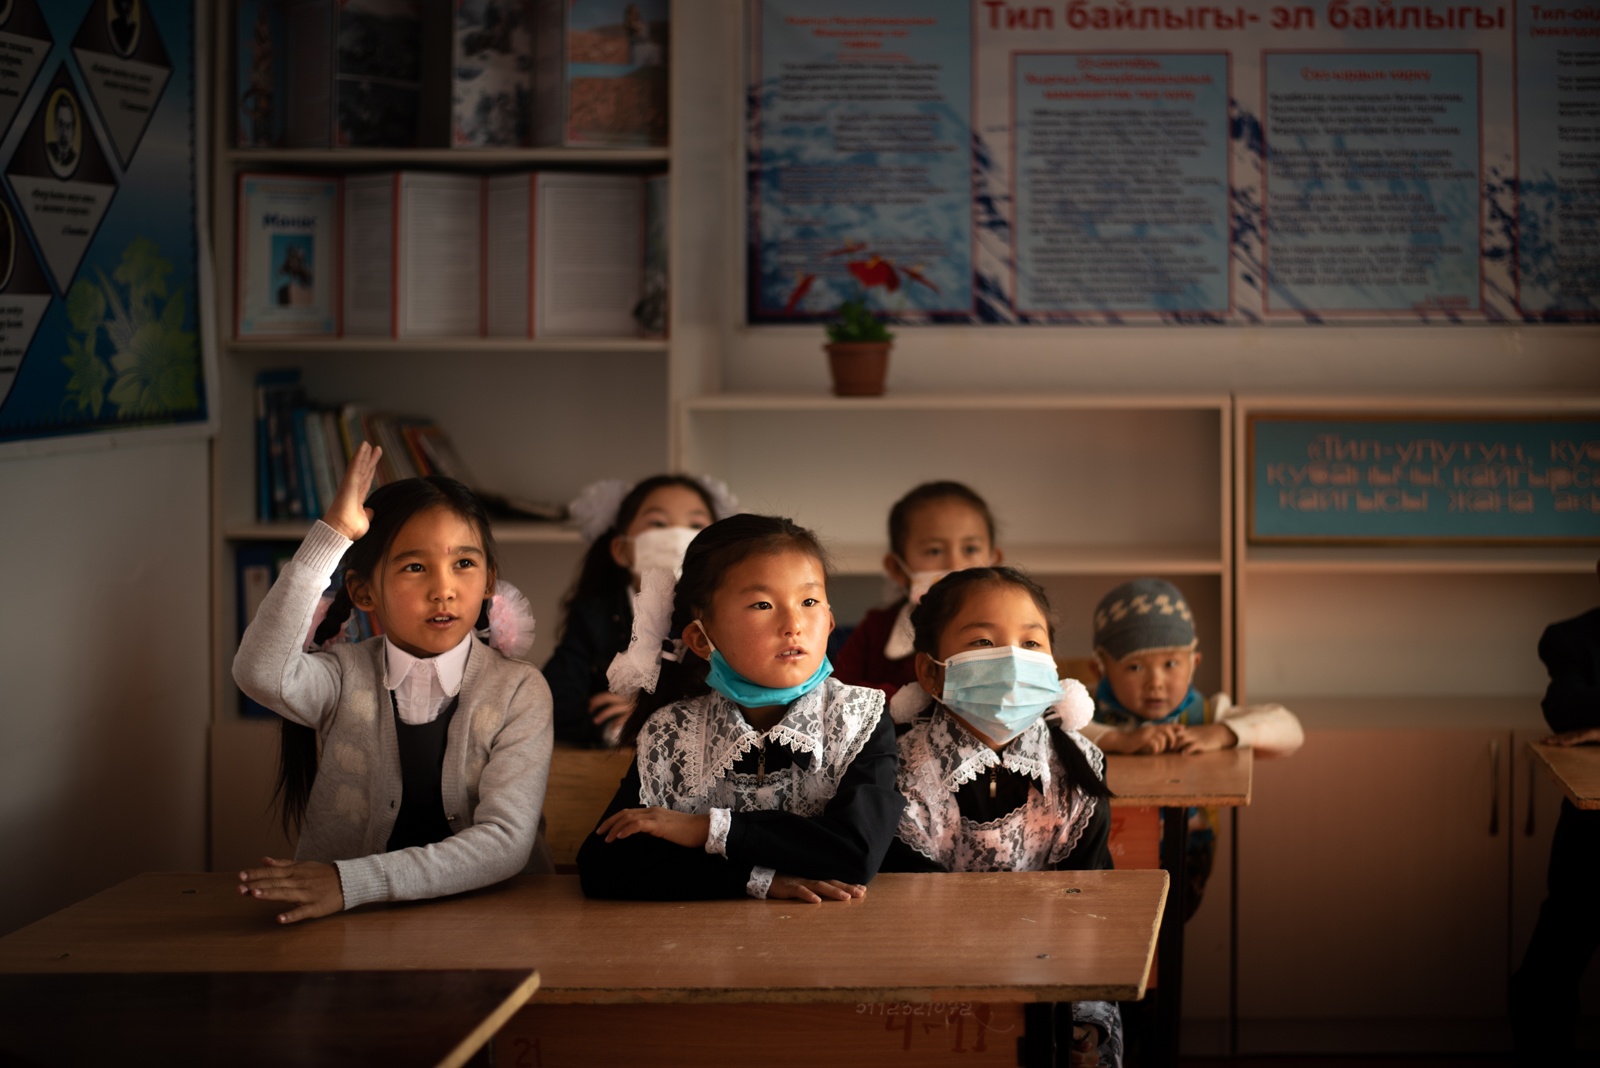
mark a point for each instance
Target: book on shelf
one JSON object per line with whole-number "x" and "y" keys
{"x": 356, "y": 72}
{"x": 413, "y": 255}
{"x": 564, "y": 256}
{"x": 650, "y": 314}
{"x": 491, "y": 82}
{"x": 600, "y": 73}
{"x": 302, "y": 450}
{"x": 261, "y": 69}
{"x": 287, "y": 269}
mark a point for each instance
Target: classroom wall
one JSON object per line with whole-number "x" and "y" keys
{"x": 104, "y": 678}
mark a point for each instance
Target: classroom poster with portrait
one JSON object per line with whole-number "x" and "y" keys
{"x": 99, "y": 247}
{"x": 1332, "y": 161}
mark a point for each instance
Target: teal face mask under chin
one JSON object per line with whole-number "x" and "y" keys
{"x": 1000, "y": 691}
{"x": 742, "y": 691}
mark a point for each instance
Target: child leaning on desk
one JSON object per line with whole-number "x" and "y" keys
{"x": 993, "y": 783}
{"x": 1145, "y": 655}
{"x": 1544, "y": 991}
{"x": 755, "y": 773}
{"x": 434, "y": 747}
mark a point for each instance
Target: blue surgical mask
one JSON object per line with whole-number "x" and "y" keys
{"x": 742, "y": 691}
{"x": 1000, "y": 691}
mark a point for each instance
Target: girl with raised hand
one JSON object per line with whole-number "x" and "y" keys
{"x": 630, "y": 530}
{"x": 756, "y": 773}
{"x": 434, "y": 747}
{"x": 996, "y": 776}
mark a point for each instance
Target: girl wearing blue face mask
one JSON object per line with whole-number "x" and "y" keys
{"x": 995, "y": 775}
{"x": 756, "y": 772}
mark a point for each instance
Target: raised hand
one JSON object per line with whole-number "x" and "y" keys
{"x": 346, "y": 514}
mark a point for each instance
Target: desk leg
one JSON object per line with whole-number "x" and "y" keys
{"x": 1169, "y": 948}
{"x": 1039, "y": 1035}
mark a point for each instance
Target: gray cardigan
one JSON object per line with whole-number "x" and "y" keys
{"x": 496, "y": 761}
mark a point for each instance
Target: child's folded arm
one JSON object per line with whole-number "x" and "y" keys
{"x": 504, "y": 826}
{"x": 271, "y": 665}
{"x": 848, "y": 839}
{"x": 1269, "y": 729}
{"x": 643, "y": 867}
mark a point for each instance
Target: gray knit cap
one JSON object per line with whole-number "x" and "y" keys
{"x": 1141, "y": 615}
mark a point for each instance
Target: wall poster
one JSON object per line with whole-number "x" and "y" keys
{"x": 1137, "y": 161}
{"x": 100, "y": 298}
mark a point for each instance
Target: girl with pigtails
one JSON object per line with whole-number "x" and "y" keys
{"x": 630, "y": 530}
{"x": 434, "y": 747}
{"x": 755, "y": 772}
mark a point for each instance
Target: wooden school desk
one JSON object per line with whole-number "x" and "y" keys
{"x": 1175, "y": 783}
{"x": 1576, "y": 769}
{"x": 678, "y": 982}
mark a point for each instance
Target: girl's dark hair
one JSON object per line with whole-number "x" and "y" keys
{"x": 941, "y": 604}
{"x": 393, "y": 506}
{"x": 900, "y": 514}
{"x": 601, "y": 575}
{"x": 714, "y": 551}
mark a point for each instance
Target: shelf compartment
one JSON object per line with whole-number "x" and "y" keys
{"x": 866, "y": 558}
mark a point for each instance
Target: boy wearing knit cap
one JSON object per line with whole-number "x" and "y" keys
{"x": 1145, "y": 655}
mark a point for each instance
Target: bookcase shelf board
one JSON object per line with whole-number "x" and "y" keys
{"x": 506, "y": 532}
{"x": 447, "y": 346}
{"x": 453, "y": 158}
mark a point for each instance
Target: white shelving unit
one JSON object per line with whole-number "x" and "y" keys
{"x": 1410, "y": 814}
{"x": 1088, "y": 489}
{"x": 536, "y": 418}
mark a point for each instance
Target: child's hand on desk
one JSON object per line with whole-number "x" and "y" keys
{"x": 812, "y": 891}
{"x": 682, "y": 828}
{"x": 1205, "y": 738}
{"x": 1158, "y": 738}
{"x": 312, "y": 885}
{"x": 1585, "y": 736}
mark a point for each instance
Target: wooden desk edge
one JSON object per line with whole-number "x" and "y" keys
{"x": 845, "y": 995}
{"x": 469, "y": 1046}
{"x": 1588, "y": 804}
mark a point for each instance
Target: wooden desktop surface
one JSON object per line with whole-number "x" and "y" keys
{"x": 1220, "y": 778}
{"x": 1576, "y": 768}
{"x": 1013, "y": 937}
{"x": 422, "y": 1018}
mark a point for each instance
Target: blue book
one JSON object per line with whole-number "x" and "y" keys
{"x": 309, "y": 504}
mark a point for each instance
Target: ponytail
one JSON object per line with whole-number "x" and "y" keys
{"x": 1080, "y": 773}
{"x": 680, "y": 680}
{"x": 297, "y": 743}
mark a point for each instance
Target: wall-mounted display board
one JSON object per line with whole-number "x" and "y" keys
{"x": 100, "y": 279}
{"x": 1125, "y": 161}
{"x": 1350, "y": 478}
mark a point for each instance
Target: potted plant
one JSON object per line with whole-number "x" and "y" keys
{"x": 858, "y": 350}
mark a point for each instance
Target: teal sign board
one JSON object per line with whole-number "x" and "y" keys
{"x": 1331, "y": 478}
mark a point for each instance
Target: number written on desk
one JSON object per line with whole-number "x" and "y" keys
{"x": 526, "y": 1051}
{"x": 939, "y": 1021}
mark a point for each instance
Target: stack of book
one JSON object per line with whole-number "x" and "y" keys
{"x": 407, "y": 254}
{"x": 472, "y": 74}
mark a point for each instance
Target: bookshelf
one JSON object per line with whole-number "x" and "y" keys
{"x": 537, "y": 418}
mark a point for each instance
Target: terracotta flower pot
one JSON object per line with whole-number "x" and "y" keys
{"x": 859, "y": 367}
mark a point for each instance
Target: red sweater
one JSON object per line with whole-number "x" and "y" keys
{"x": 861, "y": 662}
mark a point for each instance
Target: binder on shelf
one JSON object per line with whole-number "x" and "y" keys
{"x": 287, "y": 270}
{"x": 600, "y": 73}
{"x": 650, "y": 314}
{"x": 491, "y": 83}
{"x": 413, "y": 255}
{"x": 564, "y": 255}
{"x": 361, "y": 73}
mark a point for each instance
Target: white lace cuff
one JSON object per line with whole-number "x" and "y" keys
{"x": 760, "y": 882}
{"x": 717, "y": 839}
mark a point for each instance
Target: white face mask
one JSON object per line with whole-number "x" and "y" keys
{"x": 921, "y": 581}
{"x": 661, "y": 549}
